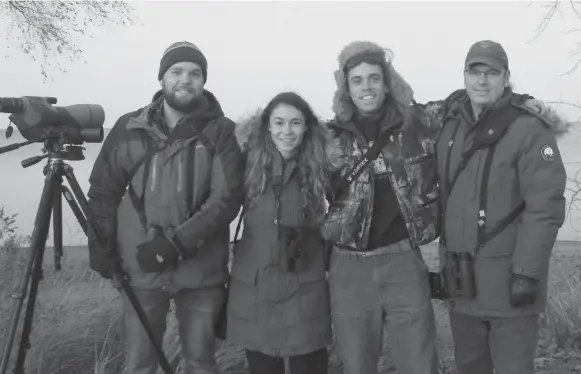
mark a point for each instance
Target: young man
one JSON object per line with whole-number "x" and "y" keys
{"x": 377, "y": 220}
{"x": 503, "y": 207}
{"x": 164, "y": 188}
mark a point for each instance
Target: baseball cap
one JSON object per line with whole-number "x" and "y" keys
{"x": 489, "y": 53}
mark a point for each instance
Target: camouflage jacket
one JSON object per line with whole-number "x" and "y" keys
{"x": 411, "y": 166}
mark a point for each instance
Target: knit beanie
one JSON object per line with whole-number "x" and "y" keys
{"x": 352, "y": 55}
{"x": 182, "y": 51}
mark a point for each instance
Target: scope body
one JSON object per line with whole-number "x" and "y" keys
{"x": 37, "y": 119}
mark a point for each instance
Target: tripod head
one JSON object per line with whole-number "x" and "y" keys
{"x": 62, "y": 129}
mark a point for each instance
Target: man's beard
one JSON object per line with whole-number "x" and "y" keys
{"x": 179, "y": 105}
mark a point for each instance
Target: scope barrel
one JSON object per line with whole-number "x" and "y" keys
{"x": 16, "y": 104}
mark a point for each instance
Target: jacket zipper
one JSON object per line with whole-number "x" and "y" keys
{"x": 153, "y": 172}
{"x": 180, "y": 172}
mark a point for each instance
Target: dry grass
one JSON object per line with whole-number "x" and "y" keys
{"x": 560, "y": 341}
{"x": 77, "y": 326}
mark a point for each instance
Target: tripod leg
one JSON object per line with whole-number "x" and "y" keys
{"x": 29, "y": 314}
{"x": 122, "y": 278}
{"x": 39, "y": 234}
{"x": 57, "y": 225}
{"x": 75, "y": 208}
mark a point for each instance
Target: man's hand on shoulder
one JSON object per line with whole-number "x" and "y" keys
{"x": 537, "y": 105}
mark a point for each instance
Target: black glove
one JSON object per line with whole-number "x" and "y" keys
{"x": 523, "y": 290}
{"x": 103, "y": 260}
{"x": 159, "y": 254}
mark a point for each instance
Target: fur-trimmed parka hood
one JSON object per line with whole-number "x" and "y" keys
{"x": 248, "y": 127}
{"x": 553, "y": 120}
{"x": 319, "y": 156}
{"x": 549, "y": 116}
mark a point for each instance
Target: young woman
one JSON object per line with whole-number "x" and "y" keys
{"x": 278, "y": 301}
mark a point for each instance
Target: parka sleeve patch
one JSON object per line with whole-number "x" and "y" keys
{"x": 548, "y": 153}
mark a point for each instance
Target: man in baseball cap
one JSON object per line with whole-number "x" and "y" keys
{"x": 486, "y": 74}
{"x": 502, "y": 184}
{"x": 489, "y": 53}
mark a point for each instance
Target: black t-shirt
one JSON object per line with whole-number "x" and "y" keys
{"x": 387, "y": 224}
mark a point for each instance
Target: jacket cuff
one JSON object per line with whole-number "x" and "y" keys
{"x": 521, "y": 270}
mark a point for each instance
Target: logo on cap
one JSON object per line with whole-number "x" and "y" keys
{"x": 485, "y": 44}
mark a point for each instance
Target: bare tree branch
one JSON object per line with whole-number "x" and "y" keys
{"x": 573, "y": 5}
{"x": 546, "y": 19}
{"x": 564, "y": 103}
{"x": 53, "y": 28}
{"x": 571, "y": 31}
{"x": 553, "y": 7}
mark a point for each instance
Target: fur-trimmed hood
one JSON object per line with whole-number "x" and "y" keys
{"x": 320, "y": 155}
{"x": 549, "y": 117}
{"x": 555, "y": 122}
{"x": 399, "y": 89}
{"x": 248, "y": 127}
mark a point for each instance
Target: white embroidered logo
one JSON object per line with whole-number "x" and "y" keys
{"x": 548, "y": 153}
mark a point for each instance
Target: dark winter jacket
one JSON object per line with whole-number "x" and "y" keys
{"x": 191, "y": 187}
{"x": 526, "y": 167}
{"x": 409, "y": 155}
{"x": 272, "y": 310}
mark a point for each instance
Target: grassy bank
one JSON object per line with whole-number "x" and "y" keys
{"x": 77, "y": 326}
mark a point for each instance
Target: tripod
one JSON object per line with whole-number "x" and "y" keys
{"x": 51, "y": 201}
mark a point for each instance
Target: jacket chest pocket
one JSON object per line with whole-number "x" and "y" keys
{"x": 166, "y": 189}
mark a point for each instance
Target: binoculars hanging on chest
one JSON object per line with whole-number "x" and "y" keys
{"x": 292, "y": 240}
{"x": 458, "y": 274}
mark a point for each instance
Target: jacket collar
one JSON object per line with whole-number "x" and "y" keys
{"x": 150, "y": 117}
{"x": 392, "y": 119}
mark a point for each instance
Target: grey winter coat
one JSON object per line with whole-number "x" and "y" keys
{"x": 526, "y": 167}
{"x": 277, "y": 312}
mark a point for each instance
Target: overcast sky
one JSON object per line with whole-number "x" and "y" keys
{"x": 256, "y": 50}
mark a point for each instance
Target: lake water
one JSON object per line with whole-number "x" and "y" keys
{"x": 20, "y": 188}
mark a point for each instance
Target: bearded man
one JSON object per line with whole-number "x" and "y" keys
{"x": 164, "y": 189}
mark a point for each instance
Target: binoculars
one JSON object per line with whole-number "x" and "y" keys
{"x": 458, "y": 277}
{"x": 292, "y": 253}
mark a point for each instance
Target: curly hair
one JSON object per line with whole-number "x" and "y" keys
{"x": 314, "y": 163}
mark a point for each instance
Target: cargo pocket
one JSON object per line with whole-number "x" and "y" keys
{"x": 493, "y": 275}
{"x": 314, "y": 296}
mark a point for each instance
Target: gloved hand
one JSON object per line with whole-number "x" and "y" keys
{"x": 523, "y": 290}
{"x": 157, "y": 255}
{"x": 103, "y": 260}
